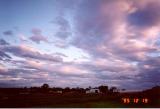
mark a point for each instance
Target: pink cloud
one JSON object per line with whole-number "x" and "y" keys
{"x": 37, "y": 36}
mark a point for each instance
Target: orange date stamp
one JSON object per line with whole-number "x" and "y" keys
{"x": 135, "y": 100}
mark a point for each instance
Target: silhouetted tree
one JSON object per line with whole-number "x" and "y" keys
{"x": 123, "y": 89}
{"x": 103, "y": 89}
{"x": 34, "y": 89}
{"x": 113, "y": 89}
{"x": 45, "y": 88}
{"x": 80, "y": 90}
{"x": 67, "y": 89}
{"x": 57, "y": 89}
{"x": 153, "y": 94}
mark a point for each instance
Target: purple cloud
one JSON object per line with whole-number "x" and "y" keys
{"x": 27, "y": 52}
{"x": 8, "y": 33}
{"x": 3, "y": 42}
{"x": 119, "y": 37}
{"x": 146, "y": 16}
{"x": 64, "y": 28}
{"x": 37, "y": 36}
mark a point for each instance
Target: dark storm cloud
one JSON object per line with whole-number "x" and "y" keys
{"x": 8, "y": 33}
{"x": 146, "y": 16}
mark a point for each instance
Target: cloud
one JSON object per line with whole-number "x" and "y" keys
{"x": 61, "y": 43}
{"x": 8, "y": 33}
{"x": 63, "y": 27}
{"x": 120, "y": 37}
{"x": 32, "y": 72}
{"x": 22, "y": 38}
{"x": 37, "y": 36}
{"x": 62, "y": 23}
{"x": 7, "y": 85}
{"x": 63, "y": 69}
{"x": 3, "y": 69}
{"x": 147, "y": 77}
{"x": 117, "y": 30}
{"x": 3, "y": 42}
{"x": 60, "y": 54}
{"x": 63, "y": 35}
{"x": 145, "y": 16}
{"x": 102, "y": 33}
{"x": 94, "y": 29}
{"x": 4, "y": 56}
{"x": 21, "y": 77}
{"x": 29, "y": 52}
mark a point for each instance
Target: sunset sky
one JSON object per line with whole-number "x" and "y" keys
{"x": 80, "y": 43}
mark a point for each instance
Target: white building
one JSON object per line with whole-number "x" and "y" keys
{"x": 93, "y": 90}
{"x": 59, "y": 91}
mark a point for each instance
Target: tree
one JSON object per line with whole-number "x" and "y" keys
{"x": 67, "y": 89}
{"x": 103, "y": 89}
{"x": 45, "y": 86}
{"x": 113, "y": 89}
{"x": 123, "y": 89}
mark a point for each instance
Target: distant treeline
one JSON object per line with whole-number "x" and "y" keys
{"x": 45, "y": 88}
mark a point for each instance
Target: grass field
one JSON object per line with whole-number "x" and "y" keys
{"x": 95, "y": 104}
{"x": 62, "y": 100}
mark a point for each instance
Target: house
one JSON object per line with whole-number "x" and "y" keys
{"x": 53, "y": 92}
{"x": 93, "y": 90}
{"x": 59, "y": 91}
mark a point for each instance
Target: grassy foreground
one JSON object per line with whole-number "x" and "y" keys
{"x": 65, "y": 100}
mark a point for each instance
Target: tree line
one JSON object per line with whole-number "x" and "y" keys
{"x": 45, "y": 88}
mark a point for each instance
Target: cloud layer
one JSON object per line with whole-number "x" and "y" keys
{"x": 120, "y": 37}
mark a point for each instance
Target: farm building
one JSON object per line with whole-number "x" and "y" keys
{"x": 93, "y": 90}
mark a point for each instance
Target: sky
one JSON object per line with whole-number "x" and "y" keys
{"x": 80, "y": 43}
